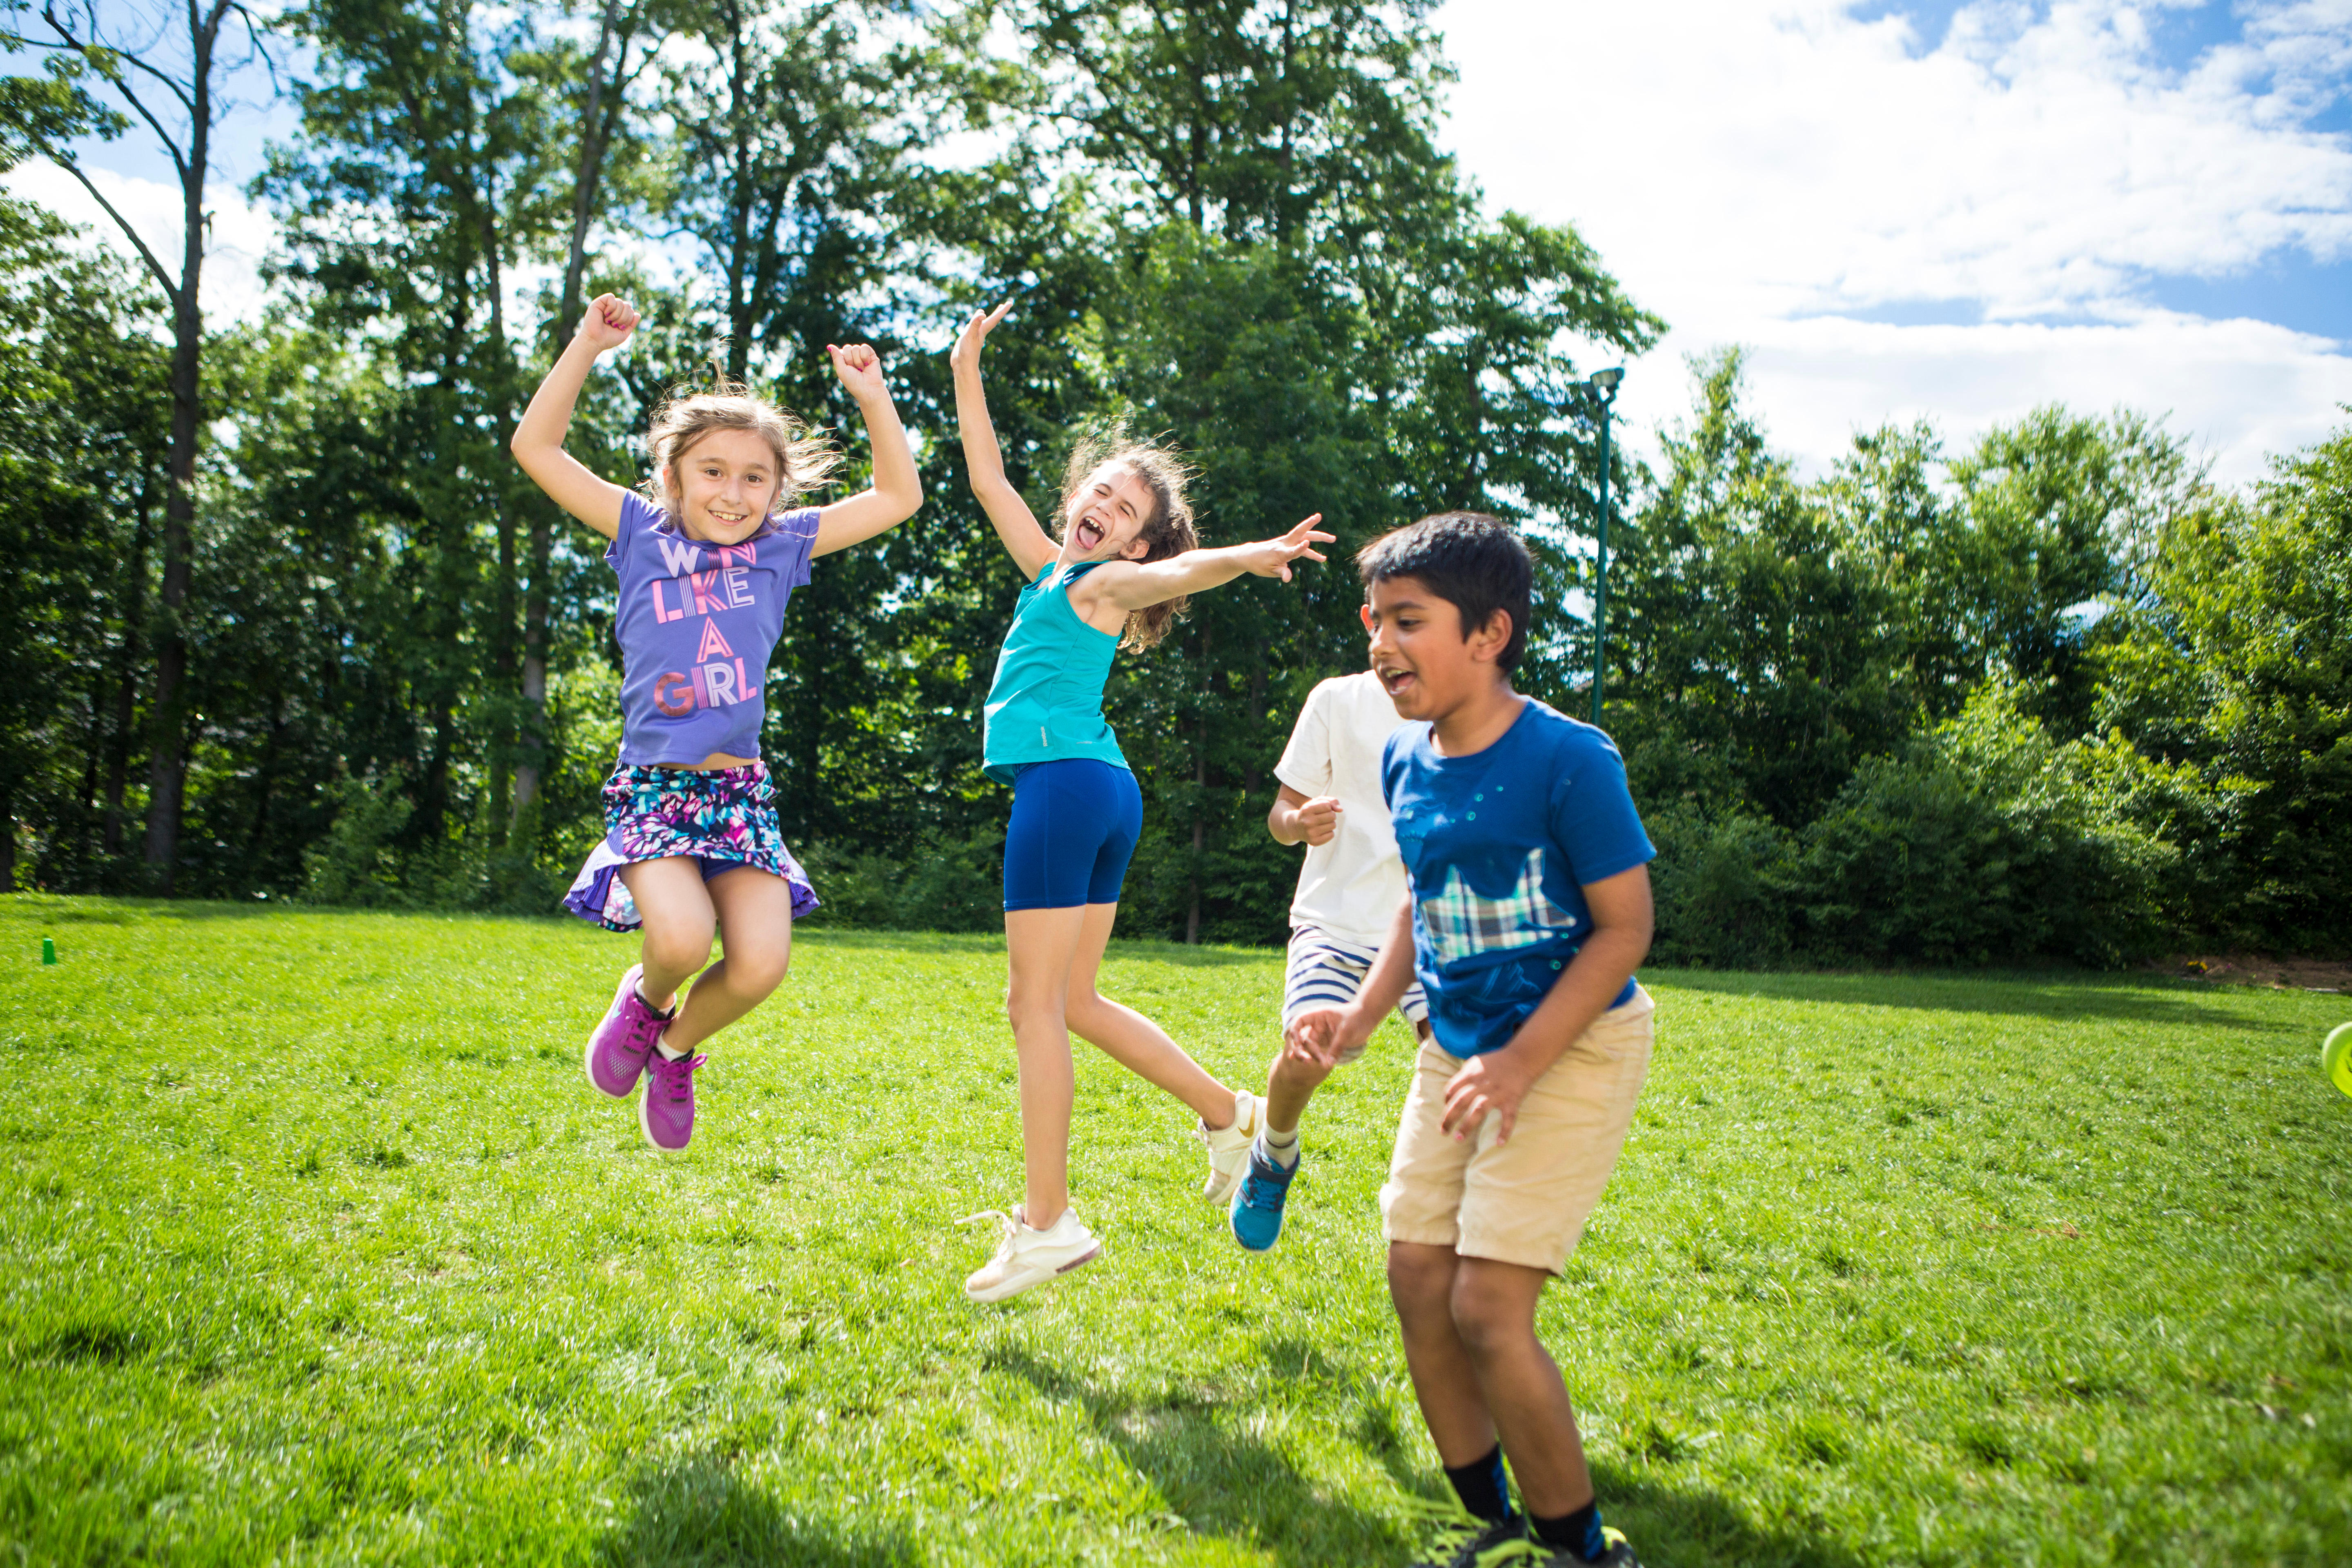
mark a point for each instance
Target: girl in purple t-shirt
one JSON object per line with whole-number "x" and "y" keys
{"x": 707, "y": 561}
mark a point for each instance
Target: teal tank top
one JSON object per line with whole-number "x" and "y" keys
{"x": 1045, "y": 702}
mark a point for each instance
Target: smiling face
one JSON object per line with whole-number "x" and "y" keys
{"x": 725, "y": 485}
{"x": 1422, "y": 654}
{"x": 1107, "y": 517}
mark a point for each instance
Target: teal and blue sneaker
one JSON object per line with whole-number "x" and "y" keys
{"x": 1257, "y": 1206}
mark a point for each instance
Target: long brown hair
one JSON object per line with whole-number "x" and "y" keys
{"x": 1167, "y": 531}
{"x": 804, "y": 457}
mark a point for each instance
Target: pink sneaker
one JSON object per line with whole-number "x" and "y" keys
{"x": 618, "y": 1049}
{"x": 666, "y": 1110}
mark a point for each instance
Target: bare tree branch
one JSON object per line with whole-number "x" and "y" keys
{"x": 89, "y": 52}
{"x": 170, "y": 290}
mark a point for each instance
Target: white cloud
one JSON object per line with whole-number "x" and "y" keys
{"x": 1744, "y": 165}
{"x": 2241, "y": 390}
{"x": 241, "y": 234}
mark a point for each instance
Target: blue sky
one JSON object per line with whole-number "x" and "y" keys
{"x": 1951, "y": 211}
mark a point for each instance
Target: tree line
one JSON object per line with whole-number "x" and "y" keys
{"x": 2050, "y": 696}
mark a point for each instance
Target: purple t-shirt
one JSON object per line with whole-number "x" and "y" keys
{"x": 696, "y": 624}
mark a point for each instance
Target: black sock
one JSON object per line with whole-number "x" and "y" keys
{"x": 1481, "y": 1485}
{"x": 1580, "y": 1532}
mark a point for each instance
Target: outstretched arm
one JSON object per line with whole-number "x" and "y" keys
{"x": 1029, "y": 545}
{"x": 897, "y": 490}
{"x": 538, "y": 443}
{"x": 1132, "y": 585}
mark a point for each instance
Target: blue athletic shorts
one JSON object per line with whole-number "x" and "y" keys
{"x": 1074, "y": 824}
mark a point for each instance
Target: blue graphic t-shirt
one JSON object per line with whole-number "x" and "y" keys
{"x": 696, "y": 624}
{"x": 1499, "y": 846}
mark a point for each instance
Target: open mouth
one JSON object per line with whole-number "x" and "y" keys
{"x": 1398, "y": 682}
{"x": 729, "y": 519}
{"x": 1088, "y": 534}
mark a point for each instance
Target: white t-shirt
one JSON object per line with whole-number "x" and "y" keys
{"x": 1351, "y": 887}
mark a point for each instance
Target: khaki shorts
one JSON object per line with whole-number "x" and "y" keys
{"x": 1523, "y": 1202}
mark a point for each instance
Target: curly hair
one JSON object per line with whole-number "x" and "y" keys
{"x": 1167, "y": 531}
{"x": 805, "y": 459}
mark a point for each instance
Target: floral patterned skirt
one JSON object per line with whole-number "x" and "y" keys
{"x": 724, "y": 818}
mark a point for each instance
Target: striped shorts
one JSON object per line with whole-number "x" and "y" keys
{"x": 1327, "y": 971}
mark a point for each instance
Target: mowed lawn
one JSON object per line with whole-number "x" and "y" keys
{"x": 318, "y": 1248}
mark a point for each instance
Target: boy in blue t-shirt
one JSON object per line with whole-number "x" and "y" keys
{"x": 1528, "y": 910}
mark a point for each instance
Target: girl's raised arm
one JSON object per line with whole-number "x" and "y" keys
{"x": 898, "y": 492}
{"x": 1015, "y": 524}
{"x": 538, "y": 443}
{"x": 1139, "y": 586}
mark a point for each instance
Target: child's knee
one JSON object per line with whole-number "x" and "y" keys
{"x": 678, "y": 948}
{"x": 1421, "y": 1280}
{"x": 1032, "y": 1004}
{"x": 1488, "y": 1319}
{"x": 757, "y": 968}
{"x": 1290, "y": 1072}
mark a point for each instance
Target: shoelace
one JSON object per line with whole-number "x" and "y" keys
{"x": 673, "y": 1075}
{"x": 1012, "y": 1227}
{"x": 1264, "y": 1192}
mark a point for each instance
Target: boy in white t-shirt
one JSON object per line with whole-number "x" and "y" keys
{"x": 1349, "y": 893}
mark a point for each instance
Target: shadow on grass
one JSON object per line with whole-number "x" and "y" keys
{"x": 700, "y": 1513}
{"x": 1692, "y": 1527}
{"x": 2060, "y": 997}
{"x": 1214, "y": 1475}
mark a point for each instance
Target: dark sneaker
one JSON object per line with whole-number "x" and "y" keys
{"x": 625, "y": 1037}
{"x": 1257, "y": 1207}
{"x": 1474, "y": 1543}
{"x": 1619, "y": 1553}
{"x": 666, "y": 1110}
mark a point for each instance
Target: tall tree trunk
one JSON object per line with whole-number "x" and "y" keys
{"x": 167, "y": 768}
{"x": 613, "y": 35}
{"x": 167, "y": 759}
{"x": 126, "y": 664}
{"x": 503, "y": 649}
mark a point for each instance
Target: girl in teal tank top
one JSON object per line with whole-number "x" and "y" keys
{"x": 1127, "y": 558}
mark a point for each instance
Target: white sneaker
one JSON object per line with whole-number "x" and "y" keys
{"x": 1229, "y": 1148}
{"x": 1027, "y": 1258}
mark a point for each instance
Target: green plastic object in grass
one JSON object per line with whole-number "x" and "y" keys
{"x": 48, "y": 950}
{"x": 2335, "y": 1057}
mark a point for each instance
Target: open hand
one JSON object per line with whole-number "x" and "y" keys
{"x": 607, "y": 321}
{"x": 859, "y": 367}
{"x": 1317, "y": 819}
{"x": 965, "y": 355}
{"x": 1272, "y": 557}
{"x": 1492, "y": 1081}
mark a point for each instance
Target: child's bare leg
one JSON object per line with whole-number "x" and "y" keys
{"x": 1289, "y": 1086}
{"x": 755, "y": 915}
{"x": 680, "y": 922}
{"x": 1494, "y": 1314}
{"x": 1040, "y": 945}
{"x": 1129, "y": 1038}
{"x": 1445, "y": 1380}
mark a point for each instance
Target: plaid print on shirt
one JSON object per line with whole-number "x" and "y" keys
{"x": 1460, "y": 923}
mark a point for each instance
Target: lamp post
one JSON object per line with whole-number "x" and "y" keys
{"x": 1603, "y": 389}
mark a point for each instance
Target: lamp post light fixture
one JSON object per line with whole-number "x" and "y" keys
{"x": 1602, "y": 387}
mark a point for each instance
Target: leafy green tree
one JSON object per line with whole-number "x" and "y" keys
{"x": 2234, "y": 669}
{"x": 84, "y": 450}
{"x": 170, "y": 79}
{"x": 1758, "y": 659}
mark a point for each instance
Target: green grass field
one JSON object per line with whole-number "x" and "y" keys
{"x": 319, "y": 1250}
